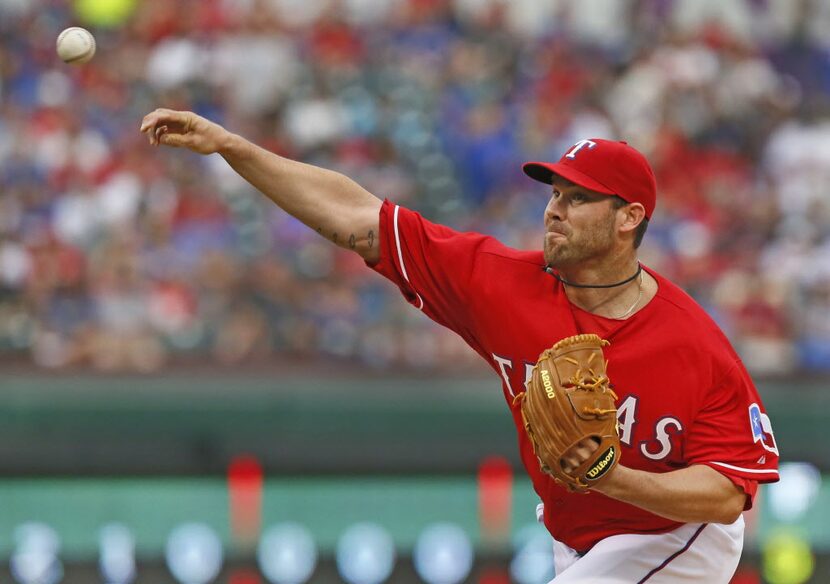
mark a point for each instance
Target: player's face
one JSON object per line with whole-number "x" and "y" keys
{"x": 580, "y": 225}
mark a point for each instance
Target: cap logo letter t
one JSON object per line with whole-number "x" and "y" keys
{"x": 579, "y": 146}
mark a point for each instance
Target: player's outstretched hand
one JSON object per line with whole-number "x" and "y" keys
{"x": 183, "y": 130}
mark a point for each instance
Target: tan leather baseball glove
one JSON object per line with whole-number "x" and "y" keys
{"x": 567, "y": 401}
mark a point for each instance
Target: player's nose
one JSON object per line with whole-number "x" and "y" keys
{"x": 554, "y": 211}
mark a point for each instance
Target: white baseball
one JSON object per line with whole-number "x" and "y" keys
{"x": 75, "y": 45}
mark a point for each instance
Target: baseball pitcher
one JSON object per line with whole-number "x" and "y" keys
{"x": 642, "y": 432}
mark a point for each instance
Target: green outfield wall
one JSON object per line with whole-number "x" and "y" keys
{"x": 172, "y": 426}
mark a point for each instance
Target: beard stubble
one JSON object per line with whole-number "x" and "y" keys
{"x": 580, "y": 246}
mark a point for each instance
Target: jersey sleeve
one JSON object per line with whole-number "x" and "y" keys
{"x": 733, "y": 434}
{"x": 433, "y": 265}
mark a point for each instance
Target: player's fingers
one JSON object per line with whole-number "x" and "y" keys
{"x": 156, "y": 134}
{"x": 578, "y": 454}
{"x": 589, "y": 444}
{"x": 170, "y": 140}
{"x": 176, "y": 140}
{"x": 152, "y": 132}
{"x": 173, "y": 116}
{"x": 569, "y": 463}
{"x": 163, "y": 116}
{"x": 149, "y": 122}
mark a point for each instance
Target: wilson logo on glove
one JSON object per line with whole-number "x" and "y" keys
{"x": 601, "y": 467}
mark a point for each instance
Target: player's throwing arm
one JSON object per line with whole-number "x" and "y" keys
{"x": 332, "y": 204}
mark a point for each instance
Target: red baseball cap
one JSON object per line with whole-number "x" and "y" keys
{"x": 605, "y": 166}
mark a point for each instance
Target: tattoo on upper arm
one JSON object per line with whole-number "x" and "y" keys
{"x": 352, "y": 241}
{"x": 320, "y": 230}
{"x": 371, "y": 238}
{"x": 334, "y": 237}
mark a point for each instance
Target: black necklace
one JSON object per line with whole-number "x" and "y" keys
{"x": 556, "y": 275}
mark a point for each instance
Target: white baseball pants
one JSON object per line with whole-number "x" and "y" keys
{"x": 692, "y": 553}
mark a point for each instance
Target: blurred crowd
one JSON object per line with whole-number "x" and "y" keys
{"x": 118, "y": 256}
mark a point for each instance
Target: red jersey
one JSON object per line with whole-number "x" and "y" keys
{"x": 684, "y": 396}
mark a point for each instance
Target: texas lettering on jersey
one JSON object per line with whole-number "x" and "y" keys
{"x": 626, "y": 414}
{"x": 656, "y": 439}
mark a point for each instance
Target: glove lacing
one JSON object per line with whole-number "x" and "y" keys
{"x": 590, "y": 382}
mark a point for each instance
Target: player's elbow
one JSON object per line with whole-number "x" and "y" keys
{"x": 731, "y": 506}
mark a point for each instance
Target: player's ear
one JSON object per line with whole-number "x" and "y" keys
{"x": 630, "y": 216}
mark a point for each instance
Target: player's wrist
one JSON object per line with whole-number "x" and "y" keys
{"x": 613, "y": 483}
{"x": 229, "y": 144}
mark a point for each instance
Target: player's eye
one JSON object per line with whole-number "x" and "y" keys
{"x": 578, "y": 198}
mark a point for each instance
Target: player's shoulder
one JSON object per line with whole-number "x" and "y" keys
{"x": 493, "y": 254}
{"x": 495, "y": 251}
{"x": 687, "y": 331}
{"x": 487, "y": 248}
{"x": 679, "y": 311}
